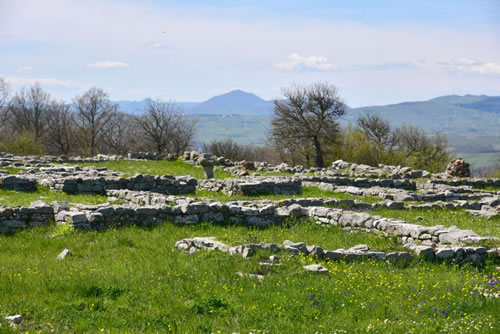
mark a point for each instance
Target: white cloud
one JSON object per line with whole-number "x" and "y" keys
{"x": 108, "y": 64}
{"x": 472, "y": 66}
{"x": 25, "y": 69}
{"x": 485, "y": 68}
{"x": 42, "y": 81}
{"x": 464, "y": 61}
{"x": 314, "y": 63}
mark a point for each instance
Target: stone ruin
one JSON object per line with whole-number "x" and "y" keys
{"x": 254, "y": 186}
{"x": 152, "y": 199}
{"x": 458, "y": 168}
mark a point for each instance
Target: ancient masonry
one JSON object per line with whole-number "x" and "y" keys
{"x": 151, "y": 200}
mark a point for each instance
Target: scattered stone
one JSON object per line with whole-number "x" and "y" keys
{"x": 317, "y": 268}
{"x": 257, "y": 276}
{"x": 14, "y": 320}
{"x": 66, "y": 252}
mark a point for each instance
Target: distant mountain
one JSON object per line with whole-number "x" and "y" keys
{"x": 453, "y": 115}
{"x": 136, "y": 107}
{"x": 236, "y": 102}
{"x": 489, "y": 104}
{"x": 471, "y": 122}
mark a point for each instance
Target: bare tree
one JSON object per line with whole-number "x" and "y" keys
{"x": 308, "y": 115}
{"x": 4, "y": 99}
{"x": 61, "y": 128}
{"x": 94, "y": 111}
{"x": 422, "y": 150}
{"x": 183, "y": 138}
{"x": 376, "y": 128}
{"x": 29, "y": 109}
{"x": 163, "y": 127}
{"x": 121, "y": 134}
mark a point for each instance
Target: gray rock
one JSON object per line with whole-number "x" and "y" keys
{"x": 445, "y": 254}
{"x": 64, "y": 253}
{"x": 14, "y": 319}
{"x": 359, "y": 248}
{"x": 317, "y": 268}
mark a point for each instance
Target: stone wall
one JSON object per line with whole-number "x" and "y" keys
{"x": 361, "y": 182}
{"x": 15, "y": 218}
{"x": 465, "y": 182}
{"x": 17, "y": 183}
{"x": 87, "y": 180}
{"x": 148, "y": 198}
{"x": 434, "y": 241}
{"x": 165, "y": 184}
{"x": 254, "y": 185}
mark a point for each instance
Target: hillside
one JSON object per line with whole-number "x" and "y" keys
{"x": 452, "y": 115}
{"x": 470, "y": 122}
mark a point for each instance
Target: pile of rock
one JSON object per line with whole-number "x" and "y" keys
{"x": 458, "y": 168}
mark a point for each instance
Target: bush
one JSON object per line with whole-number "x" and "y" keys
{"x": 24, "y": 144}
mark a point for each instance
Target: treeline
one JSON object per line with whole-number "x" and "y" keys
{"x": 32, "y": 122}
{"x": 372, "y": 141}
{"x": 305, "y": 130}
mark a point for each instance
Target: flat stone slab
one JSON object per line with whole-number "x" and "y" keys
{"x": 317, "y": 268}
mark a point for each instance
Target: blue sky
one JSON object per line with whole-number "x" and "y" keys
{"x": 376, "y": 52}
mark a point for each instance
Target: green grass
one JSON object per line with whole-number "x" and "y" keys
{"x": 270, "y": 173}
{"x": 489, "y": 188}
{"x": 160, "y": 167}
{"x": 133, "y": 280}
{"x": 13, "y": 170}
{"x": 478, "y": 160}
{"x": 15, "y": 198}
{"x": 445, "y": 217}
{"x": 306, "y": 192}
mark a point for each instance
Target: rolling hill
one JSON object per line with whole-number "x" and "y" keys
{"x": 471, "y": 122}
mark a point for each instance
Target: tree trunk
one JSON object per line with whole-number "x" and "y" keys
{"x": 319, "y": 154}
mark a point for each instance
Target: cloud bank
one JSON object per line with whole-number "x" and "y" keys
{"x": 103, "y": 65}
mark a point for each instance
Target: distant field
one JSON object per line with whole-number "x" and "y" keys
{"x": 480, "y": 160}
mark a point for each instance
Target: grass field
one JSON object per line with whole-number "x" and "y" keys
{"x": 133, "y": 280}
{"x": 161, "y": 167}
{"x": 12, "y": 170}
{"x": 307, "y": 192}
{"x": 445, "y": 217}
{"x": 14, "y": 198}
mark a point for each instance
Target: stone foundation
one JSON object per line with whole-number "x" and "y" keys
{"x": 254, "y": 186}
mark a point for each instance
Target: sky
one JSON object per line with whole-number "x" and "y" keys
{"x": 374, "y": 52}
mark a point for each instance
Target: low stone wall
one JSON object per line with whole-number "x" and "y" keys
{"x": 405, "y": 195}
{"x": 254, "y": 185}
{"x": 92, "y": 180}
{"x": 165, "y": 184}
{"x": 17, "y": 183}
{"x": 409, "y": 233}
{"x": 459, "y": 255}
{"x": 478, "y": 183}
{"x": 361, "y": 182}
{"x": 431, "y": 241}
{"x": 105, "y": 215}
{"x": 148, "y": 198}
{"x": 15, "y": 218}
{"x": 389, "y": 171}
